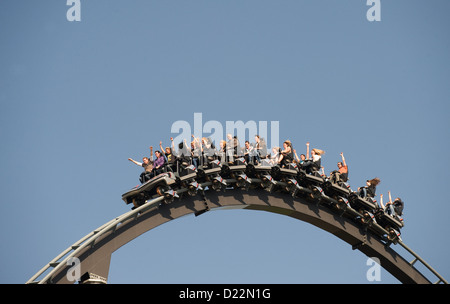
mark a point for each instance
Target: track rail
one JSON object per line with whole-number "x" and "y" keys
{"x": 94, "y": 250}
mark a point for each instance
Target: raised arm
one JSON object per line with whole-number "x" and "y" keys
{"x": 174, "y": 152}
{"x": 343, "y": 160}
{"x": 296, "y": 156}
{"x": 307, "y": 150}
{"x": 186, "y": 147}
{"x": 197, "y": 143}
{"x": 137, "y": 163}
{"x": 381, "y": 201}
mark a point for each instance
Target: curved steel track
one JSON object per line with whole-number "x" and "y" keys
{"x": 95, "y": 249}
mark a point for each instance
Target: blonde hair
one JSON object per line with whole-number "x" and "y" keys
{"x": 318, "y": 151}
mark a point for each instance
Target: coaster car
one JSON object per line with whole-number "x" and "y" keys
{"x": 361, "y": 204}
{"x": 155, "y": 186}
{"x": 290, "y": 179}
{"x": 392, "y": 224}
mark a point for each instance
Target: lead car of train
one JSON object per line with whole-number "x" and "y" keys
{"x": 292, "y": 180}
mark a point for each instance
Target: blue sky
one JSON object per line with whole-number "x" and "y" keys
{"x": 78, "y": 98}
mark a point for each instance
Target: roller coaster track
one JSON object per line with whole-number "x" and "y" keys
{"x": 95, "y": 249}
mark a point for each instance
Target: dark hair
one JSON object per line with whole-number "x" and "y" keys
{"x": 398, "y": 206}
{"x": 374, "y": 181}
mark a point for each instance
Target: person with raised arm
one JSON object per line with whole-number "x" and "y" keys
{"x": 313, "y": 164}
{"x": 196, "y": 151}
{"x": 393, "y": 208}
{"x": 209, "y": 152}
{"x": 343, "y": 169}
{"x": 340, "y": 175}
{"x": 299, "y": 160}
{"x": 168, "y": 155}
{"x": 147, "y": 164}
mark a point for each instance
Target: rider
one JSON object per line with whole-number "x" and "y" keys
{"x": 170, "y": 158}
{"x": 313, "y": 164}
{"x": 393, "y": 208}
{"x": 370, "y": 188}
{"x": 147, "y": 164}
{"x": 340, "y": 175}
{"x": 158, "y": 163}
{"x": 287, "y": 155}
